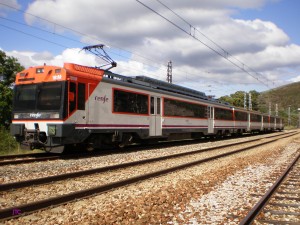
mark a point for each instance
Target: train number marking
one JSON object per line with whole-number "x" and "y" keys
{"x": 57, "y": 77}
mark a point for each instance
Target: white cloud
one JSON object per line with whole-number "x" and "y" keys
{"x": 74, "y": 55}
{"x": 295, "y": 79}
{"x": 126, "y": 24}
{"x": 4, "y": 9}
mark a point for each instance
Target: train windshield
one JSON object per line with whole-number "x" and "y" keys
{"x": 44, "y": 96}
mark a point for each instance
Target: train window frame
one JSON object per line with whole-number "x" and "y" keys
{"x": 266, "y": 119}
{"x": 158, "y": 104}
{"x": 152, "y": 112}
{"x": 25, "y": 97}
{"x": 46, "y": 98}
{"x": 239, "y": 116}
{"x": 81, "y": 96}
{"x": 72, "y": 104}
{"x": 254, "y": 118}
{"x": 220, "y": 116}
{"x": 132, "y": 110}
{"x": 39, "y": 70}
{"x": 167, "y": 113}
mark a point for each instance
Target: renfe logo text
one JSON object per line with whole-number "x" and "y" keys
{"x": 102, "y": 99}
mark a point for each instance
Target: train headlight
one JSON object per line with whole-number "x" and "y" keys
{"x": 51, "y": 130}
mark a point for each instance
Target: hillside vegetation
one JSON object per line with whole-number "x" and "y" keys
{"x": 285, "y": 96}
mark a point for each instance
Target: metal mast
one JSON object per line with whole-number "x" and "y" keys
{"x": 250, "y": 101}
{"x": 245, "y": 100}
{"x": 169, "y": 72}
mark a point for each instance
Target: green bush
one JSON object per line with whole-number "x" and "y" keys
{"x": 8, "y": 144}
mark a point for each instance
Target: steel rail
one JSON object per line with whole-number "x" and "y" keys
{"x": 22, "y": 161}
{"x": 255, "y": 211}
{"x": 54, "y": 178}
{"x": 62, "y": 199}
{"x": 39, "y": 157}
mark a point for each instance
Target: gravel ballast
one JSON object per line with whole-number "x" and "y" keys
{"x": 189, "y": 196}
{"x": 15, "y": 173}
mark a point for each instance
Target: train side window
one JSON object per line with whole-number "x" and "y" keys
{"x": 241, "y": 116}
{"x": 158, "y": 106}
{"x": 72, "y": 100}
{"x": 81, "y": 96}
{"x": 223, "y": 114}
{"x": 184, "y": 109}
{"x": 152, "y": 106}
{"x": 266, "y": 119}
{"x": 255, "y": 118}
{"x": 130, "y": 102}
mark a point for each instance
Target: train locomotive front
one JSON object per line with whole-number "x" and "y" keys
{"x": 45, "y": 98}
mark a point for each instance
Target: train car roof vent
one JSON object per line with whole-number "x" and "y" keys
{"x": 158, "y": 84}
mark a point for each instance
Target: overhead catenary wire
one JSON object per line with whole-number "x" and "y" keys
{"x": 224, "y": 54}
{"x": 81, "y": 42}
{"x": 31, "y": 35}
{"x": 196, "y": 87}
{"x": 75, "y": 31}
{"x": 161, "y": 66}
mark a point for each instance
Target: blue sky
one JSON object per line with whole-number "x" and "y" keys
{"x": 260, "y": 36}
{"x": 285, "y": 14}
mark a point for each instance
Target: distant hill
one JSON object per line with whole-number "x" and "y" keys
{"x": 284, "y": 96}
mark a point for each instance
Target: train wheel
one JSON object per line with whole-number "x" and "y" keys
{"x": 90, "y": 147}
{"x": 126, "y": 140}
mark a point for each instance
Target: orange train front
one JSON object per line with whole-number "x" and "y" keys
{"x": 48, "y": 103}
{"x": 83, "y": 107}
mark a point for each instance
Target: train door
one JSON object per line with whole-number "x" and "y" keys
{"x": 72, "y": 94}
{"x": 81, "y": 103}
{"x": 210, "y": 117}
{"x": 91, "y": 105}
{"x": 76, "y": 101}
{"x": 155, "y": 116}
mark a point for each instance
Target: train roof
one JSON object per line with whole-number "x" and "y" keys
{"x": 161, "y": 85}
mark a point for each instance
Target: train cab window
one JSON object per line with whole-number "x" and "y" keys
{"x": 25, "y": 97}
{"x": 39, "y": 70}
{"x": 49, "y": 96}
{"x": 129, "y": 102}
{"x": 81, "y": 96}
{"x": 72, "y": 97}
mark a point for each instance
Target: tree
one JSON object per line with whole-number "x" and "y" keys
{"x": 237, "y": 99}
{"x": 254, "y": 99}
{"x": 9, "y": 67}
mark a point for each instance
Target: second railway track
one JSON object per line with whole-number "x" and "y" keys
{"x": 55, "y": 200}
{"x": 41, "y": 157}
{"x": 281, "y": 204}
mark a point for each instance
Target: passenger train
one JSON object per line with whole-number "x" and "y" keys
{"x": 79, "y": 106}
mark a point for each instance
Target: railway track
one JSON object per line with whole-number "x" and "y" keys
{"x": 281, "y": 204}
{"x": 40, "y": 157}
{"x": 27, "y": 158}
{"x": 22, "y": 209}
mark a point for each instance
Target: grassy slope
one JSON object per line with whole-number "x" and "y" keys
{"x": 285, "y": 96}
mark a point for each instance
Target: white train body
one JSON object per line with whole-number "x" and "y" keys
{"x": 92, "y": 108}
